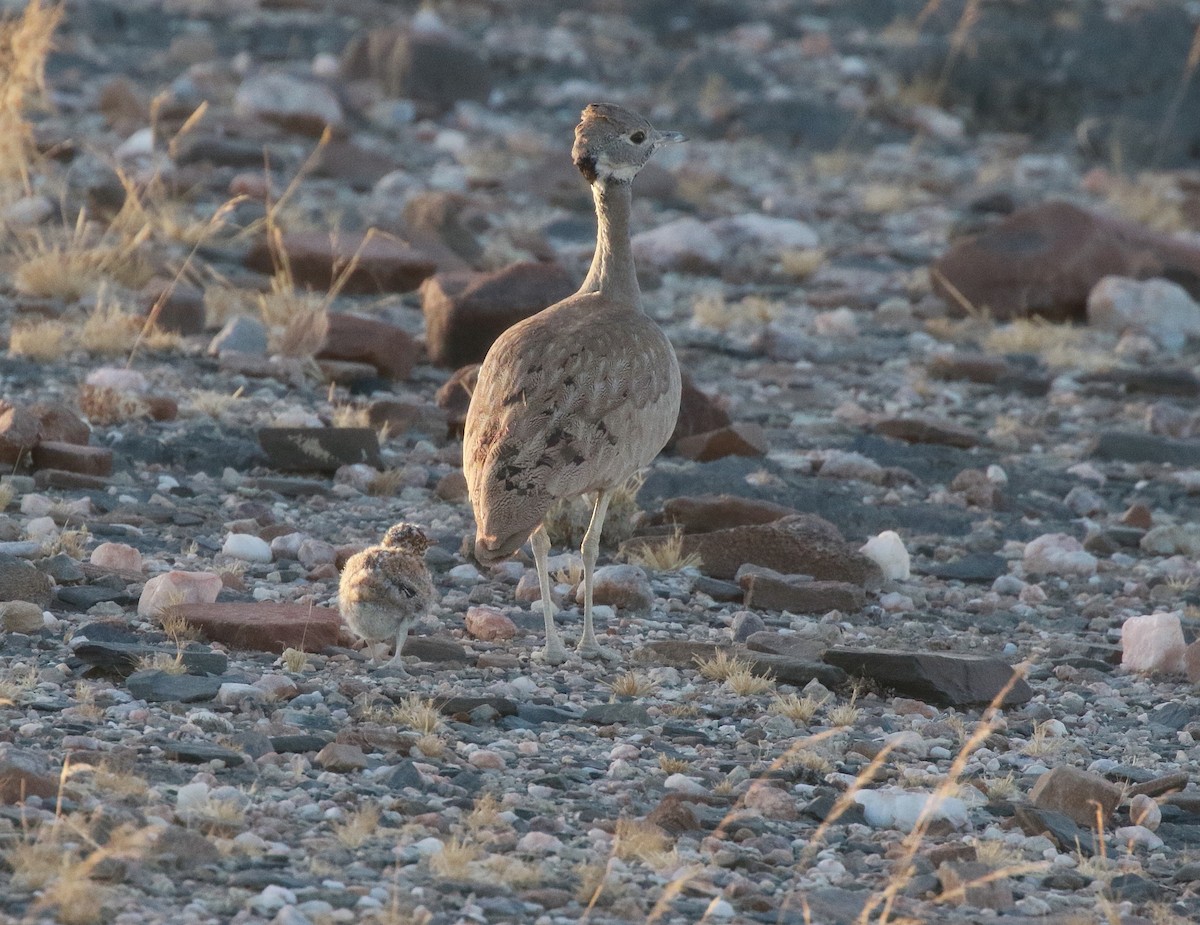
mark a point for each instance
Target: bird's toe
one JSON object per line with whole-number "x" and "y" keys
{"x": 596, "y": 651}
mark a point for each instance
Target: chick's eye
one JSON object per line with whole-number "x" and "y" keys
{"x": 637, "y": 137}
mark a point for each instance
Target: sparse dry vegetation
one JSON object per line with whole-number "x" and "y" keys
{"x": 632, "y": 684}
{"x": 419, "y": 714}
{"x": 665, "y": 555}
{"x": 40, "y": 340}
{"x": 358, "y": 827}
{"x": 796, "y": 708}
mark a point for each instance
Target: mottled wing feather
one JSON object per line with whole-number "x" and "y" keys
{"x": 568, "y": 401}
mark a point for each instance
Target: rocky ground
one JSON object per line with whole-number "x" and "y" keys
{"x": 252, "y": 251}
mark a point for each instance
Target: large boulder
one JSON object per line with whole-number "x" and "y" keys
{"x": 1045, "y": 260}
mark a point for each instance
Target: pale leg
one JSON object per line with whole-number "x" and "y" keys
{"x": 588, "y": 647}
{"x": 553, "y": 653}
{"x": 396, "y": 662}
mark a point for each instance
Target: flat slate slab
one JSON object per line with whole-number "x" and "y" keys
{"x": 1134, "y": 447}
{"x": 947, "y": 679}
{"x": 319, "y": 449}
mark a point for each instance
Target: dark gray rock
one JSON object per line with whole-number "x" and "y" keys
{"x": 202, "y": 752}
{"x": 1133, "y": 447}
{"x": 83, "y": 597}
{"x": 160, "y": 686}
{"x": 607, "y": 714}
{"x": 123, "y": 657}
{"x": 465, "y": 705}
{"x": 62, "y": 568}
{"x": 976, "y": 568}
{"x": 298, "y": 743}
{"x": 1060, "y": 828}
{"x": 946, "y": 679}
{"x": 319, "y": 449}
{"x": 1132, "y": 888}
{"x": 745, "y": 624}
{"x": 537, "y": 714}
{"x": 435, "y": 649}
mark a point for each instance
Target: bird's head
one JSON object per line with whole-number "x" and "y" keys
{"x": 406, "y": 536}
{"x": 612, "y": 143}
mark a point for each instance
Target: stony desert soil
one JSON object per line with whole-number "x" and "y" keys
{"x": 187, "y": 735}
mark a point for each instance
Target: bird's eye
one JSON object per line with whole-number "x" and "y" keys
{"x": 637, "y": 137}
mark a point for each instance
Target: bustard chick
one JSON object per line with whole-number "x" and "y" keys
{"x": 385, "y": 589}
{"x": 580, "y": 396}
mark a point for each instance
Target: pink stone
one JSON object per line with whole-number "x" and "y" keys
{"x": 178, "y": 588}
{"x": 771, "y": 802}
{"x": 538, "y": 843}
{"x": 488, "y": 759}
{"x": 489, "y": 624}
{"x": 1058, "y": 554}
{"x": 1153, "y": 643}
{"x": 118, "y": 556}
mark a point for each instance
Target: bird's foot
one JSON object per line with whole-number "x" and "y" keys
{"x": 393, "y": 669}
{"x": 589, "y": 648}
{"x": 552, "y": 653}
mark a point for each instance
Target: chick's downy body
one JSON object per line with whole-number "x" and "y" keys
{"x": 385, "y": 589}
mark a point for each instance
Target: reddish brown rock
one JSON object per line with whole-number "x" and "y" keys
{"x": 454, "y": 397}
{"x": 777, "y": 592}
{"x": 974, "y": 367}
{"x": 927, "y": 430}
{"x": 705, "y": 513}
{"x": 385, "y": 346}
{"x": 72, "y": 457}
{"x": 1078, "y": 793}
{"x": 265, "y": 627}
{"x": 1138, "y": 515}
{"x": 19, "y": 431}
{"x": 802, "y": 544}
{"x": 402, "y": 416}
{"x": 22, "y": 775}
{"x": 1191, "y": 662}
{"x": 1044, "y": 260}
{"x": 734, "y": 440}
{"x": 381, "y": 263}
{"x": 58, "y": 423}
{"x": 466, "y": 312}
{"x": 698, "y": 413}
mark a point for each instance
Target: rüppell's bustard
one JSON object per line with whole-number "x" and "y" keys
{"x": 385, "y": 589}
{"x": 578, "y": 397}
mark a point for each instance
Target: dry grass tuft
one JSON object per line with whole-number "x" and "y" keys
{"x": 454, "y": 860}
{"x": 811, "y": 760}
{"x": 714, "y": 312}
{"x": 419, "y": 714}
{"x": 485, "y": 814}
{"x": 801, "y": 264}
{"x": 40, "y": 340}
{"x": 215, "y": 404}
{"x": 358, "y": 827}
{"x": 1150, "y": 199}
{"x": 431, "y": 746}
{"x": 637, "y": 840}
{"x": 71, "y": 263}
{"x": 1001, "y": 788}
{"x": 1061, "y": 346}
{"x": 796, "y": 708}
{"x": 721, "y": 665}
{"x": 668, "y": 764}
{"x": 386, "y": 484}
{"x": 845, "y": 714}
{"x": 25, "y": 41}
{"x": 177, "y": 628}
{"x": 109, "y": 330}
{"x": 16, "y": 684}
{"x": 632, "y": 684}
{"x": 294, "y": 660}
{"x": 663, "y": 556}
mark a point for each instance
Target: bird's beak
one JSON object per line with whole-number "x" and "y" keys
{"x": 671, "y": 138}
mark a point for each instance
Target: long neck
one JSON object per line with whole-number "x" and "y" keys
{"x": 612, "y": 271}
